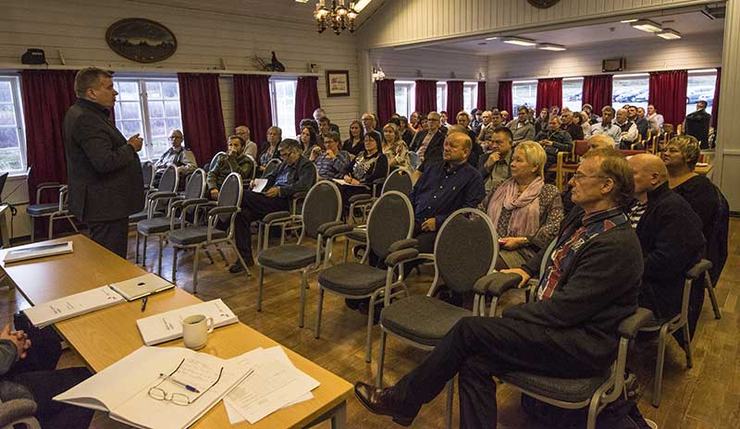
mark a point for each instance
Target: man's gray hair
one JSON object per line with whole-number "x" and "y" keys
{"x": 291, "y": 145}
{"x": 278, "y": 129}
{"x": 88, "y": 78}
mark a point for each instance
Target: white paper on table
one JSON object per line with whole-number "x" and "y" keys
{"x": 168, "y": 326}
{"x": 47, "y": 313}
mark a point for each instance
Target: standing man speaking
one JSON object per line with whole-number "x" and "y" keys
{"x": 106, "y": 184}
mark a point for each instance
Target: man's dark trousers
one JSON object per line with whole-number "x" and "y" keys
{"x": 112, "y": 234}
{"x": 478, "y": 348}
{"x": 255, "y": 206}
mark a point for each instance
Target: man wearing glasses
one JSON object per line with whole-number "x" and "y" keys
{"x": 589, "y": 285}
{"x": 295, "y": 174}
{"x": 178, "y": 155}
{"x": 428, "y": 144}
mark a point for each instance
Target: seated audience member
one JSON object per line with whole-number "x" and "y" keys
{"x": 697, "y": 124}
{"x": 463, "y": 120}
{"x": 234, "y": 161}
{"x": 309, "y": 140}
{"x": 308, "y": 122}
{"x": 505, "y": 117}
{"x": 356, "y": 141}
{"x": 476, "y": 120}
{"x": 554, "y": 140}
{"x": 521, "y": 127}
{"x": 569, "y": 125}
{"x": 606, "y": 126}
{"x": 641, "y": 122}
{"x": 326, "y": 127}
{"x": 570, "y": 332}
{"x": 320, "y": 113}
{"x": 542, "y": 120}
{"x": 414, "y": 122}
{"x": 331, "y": 162}
{"x": 592, "y": 117}
{"x": 369, "y": 166}
{"x": 600, "y": 141}
{"x": 486, "y": 128}
{"x": 395, "y": 149}
{"x": 680, "y": 157}
{"x": 670, "y": 236}
{"x": 655, "y": 119}
{"x": 28, "y": 358}
{"x": 274, "y": 136}
{"x": 579, "y": 119}
{"x": 295, "y": 174}
{"x": 628, "y": 134}
{"x": 407, "y": 134}
{"x": 445, "y": 187}
{"x": 428, "y": 143}
{"x": 178, "y": 155}
{"x": 443, "y": 119}
{"x": 250, "y": 147}
{"x": 525, "y": 211}
{"x": 370, "y": 125}
{"x": 495, "y": 166}
{"x": 554, "y": 111}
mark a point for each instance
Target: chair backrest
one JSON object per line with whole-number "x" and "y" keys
{"x": 414, "y": 160}
{"x": 168, "y": 182}
{"x": 323, "y": 204}
{"x": 254, "y": 167}
{"x": 391, "y": 219}
{"x": 271, "y": 166}
{"x": 580, "y": 148}
{"x": 399, "y": 180}
{"x": 465, "y": 249}
{"x": 196, "y": 186}
{"x": 147, "y": 170}
{"x": 214, "y": 160}
{"x": 230, "y": 194}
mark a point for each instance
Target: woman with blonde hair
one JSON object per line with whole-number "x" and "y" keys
{"x": 395, "y": 148}
{"x": 525, "y": 211}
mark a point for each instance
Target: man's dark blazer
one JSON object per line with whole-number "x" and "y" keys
{"x": 434, "y": 149}
{"x": 103, "y": 170}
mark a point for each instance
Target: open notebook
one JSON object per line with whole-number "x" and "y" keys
{"x": 33, "y": 251}
{"x": 123, "y": 389}
{"x": 141, "y": 286}
{"x": 167, "y": 326}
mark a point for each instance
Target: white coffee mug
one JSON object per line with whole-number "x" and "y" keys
{"x": 195, "y": 330}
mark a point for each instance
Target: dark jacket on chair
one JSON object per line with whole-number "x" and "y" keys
{"x": 301, "y": 176}
{"x": 104, "y": 171}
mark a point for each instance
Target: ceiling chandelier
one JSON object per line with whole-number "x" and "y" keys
{"x": 337, "y": 16}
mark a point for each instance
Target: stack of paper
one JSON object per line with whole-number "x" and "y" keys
{"x": 74, "y": 305}
{"x": 276, "y": 383}
{"x": 34, "y": 251}
{"x": 141, "y": 286}
{"x": 168, "y": 326}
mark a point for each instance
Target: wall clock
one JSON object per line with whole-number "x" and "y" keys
{"x": 543, "y": 4}
{"x": 141, "y": 40}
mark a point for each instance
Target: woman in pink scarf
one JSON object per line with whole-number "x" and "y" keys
{"x": 525, "y": 211}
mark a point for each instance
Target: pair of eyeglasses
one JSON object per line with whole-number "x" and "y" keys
{"x": 178, "y": 398}
{"x": 174, "y": 137}
{"x": 580, "y": 176}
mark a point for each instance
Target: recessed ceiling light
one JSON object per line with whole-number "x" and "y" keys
{"x": 669, "y": 34}
{"x": 519, "y": 41}
{"x": 647, "y": 26}
{"x": 492, "y": 38}
{"x": 550, "y": 47}
{"x": 624, "y": 21}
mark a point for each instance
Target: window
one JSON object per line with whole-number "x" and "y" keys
{"x": 470, "y": 96}
{"x": 524, "y": 93}
{"x": 442, "y": 97}
{"x": 701, "y": 87}
{"x": 12, "y": 134}
{"x": 405, "y": 98}
{"x": 572, "y": 93}
{"x": 150, "y": 107}
{"x": 630, "y": 89}
{"x": 282, "y": 100}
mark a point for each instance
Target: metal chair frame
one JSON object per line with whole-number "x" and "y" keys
{"x": 62, "y": 212}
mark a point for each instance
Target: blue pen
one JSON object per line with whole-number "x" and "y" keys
{"x": 186, "y": 386}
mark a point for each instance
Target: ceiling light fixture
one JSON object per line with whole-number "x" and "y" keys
{"x": 338, "y": 17}
{"x": 669, "y": 34}
{"x": 492, "y": 38}
{"x": 624, "y": 21}
{"x": 519, "y": 41}
{"x": 647, "y": 26}
{"x": 550, "y": 47}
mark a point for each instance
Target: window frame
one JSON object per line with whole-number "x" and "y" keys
{"x": 410, "y": 99}
{"x": 580, "y": 99}
{"x": 15, "y": 89}
{"x": 528, "y": 82}
{"x": 630, "y": 76}
{"x": 473, "y": 86}
{"x": 701, "y": 73}
{"x": 442, "y": 92}
{"x": 273, "y": 103}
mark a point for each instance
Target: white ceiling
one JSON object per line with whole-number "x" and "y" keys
{"x": 687, "y": 24}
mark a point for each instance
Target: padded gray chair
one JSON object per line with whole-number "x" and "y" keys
{"x": 271, "y": 166}
{"x": 679, "y": 321}
{"x": 157, "y": 199}
{"x": 709, "y": 286}
{"x": 389, "y": 228}
{"x": 54, "y": 210}
{"x": 17, "y": 413}
{"x": 198, "y": 237}
{"x": 321, "y": 210}
{"x": 147, "y": 171}
{"x": 193, "y": 194}
{"x": 466, "y": 249}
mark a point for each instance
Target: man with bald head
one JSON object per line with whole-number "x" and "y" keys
{"x": 670, "y": 236}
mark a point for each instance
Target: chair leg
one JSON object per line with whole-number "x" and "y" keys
{"x": 69, "y": 219}
{"x": 260, "y": 281}
{"x": 208, "y": 255}
{"x": 712, "y": 297}
{"x": 381, "y": 358}
{"x": 494, "y": 303}
{"x": 317, "y": 329}
{"x": 450, "y": 397}
{"x": 221, "y": 252}
{"x": 346, "y": 249}
{"x": 196, "y": 256}
{"x": 304, "y": 287}
{"x": 136, "y": 250}
{"x": 658, "y": 383}
{"x": 51, "y": 227}
{"x": 687, "y": 348}
{"x": 33, "y": 229}
{"x": 143, "y": 253}
{"x": 592, "y": 414}
{"x": 159, "y": 258}
{"x": 369, "y": 339}
{"x": 239, "y": 257}
{"x": 174, "y": 264}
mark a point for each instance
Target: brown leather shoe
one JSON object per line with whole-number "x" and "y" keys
{"x": 381, "y": 401}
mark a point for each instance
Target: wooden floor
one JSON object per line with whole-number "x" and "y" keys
{"x": 707, "y": 396}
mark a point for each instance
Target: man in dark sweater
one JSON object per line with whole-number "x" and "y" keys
{"x": 670, "y": 236}
{"x": 590, "y": 284}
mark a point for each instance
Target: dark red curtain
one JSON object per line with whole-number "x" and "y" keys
{"x": 306, "y": 99}
{"x": 202, "y": 117}
{"x": 386, "y": 94}
{"x": 597, "y": 91}
{"x": 252, "y": 105}
{"x": 549, "y": 93}
{"x": 505, "y": 99}
{"x": 455, "y": 100}
{"x": 426, "y": 96}
{"x": 47, "y": 94}
{"x": 715, "y": 101}
{"x": 668, "y": 94}
{"x": 481, "y": 105}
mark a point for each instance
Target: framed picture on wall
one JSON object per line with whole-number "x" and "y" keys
{"x": 337, "y": 83}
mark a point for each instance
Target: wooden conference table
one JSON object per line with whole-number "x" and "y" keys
{"x": 103, "y": 337}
